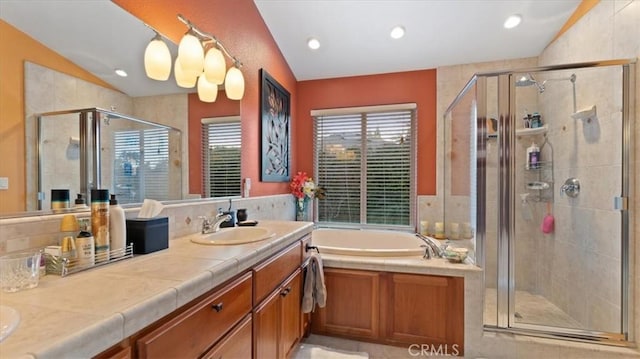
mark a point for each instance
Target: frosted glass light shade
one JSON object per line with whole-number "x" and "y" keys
{"x": 157, "y": 60}
{"x": 182, "y": 79}
{"x": 234, "y": 84}
{"x": 191, "y": 55}
{"x": 214, "y": 66}
{"x": 207, "y": 92}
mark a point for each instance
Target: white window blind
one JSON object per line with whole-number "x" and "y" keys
{"x": 365, "y": 159}
{"x": 221, "y": 149}
{"x": 141, "y": 168}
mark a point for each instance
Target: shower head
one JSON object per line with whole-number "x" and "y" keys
{"x": 527, "y": 80}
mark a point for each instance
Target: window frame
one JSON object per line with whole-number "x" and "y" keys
{"x": 205, "y": 122}
{"x": 365, "y": 111}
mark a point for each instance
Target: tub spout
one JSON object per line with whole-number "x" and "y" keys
{"x": 432, "y": 249}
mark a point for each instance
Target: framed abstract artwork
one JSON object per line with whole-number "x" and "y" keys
{"x": 275, "y": 117}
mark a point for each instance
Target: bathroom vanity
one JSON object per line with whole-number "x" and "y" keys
{"x": 190, "y": 300}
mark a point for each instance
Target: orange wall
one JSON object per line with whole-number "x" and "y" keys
{"x": 402, "y": 87}
{"x": 16, "y": 47}
{"x": 238, "y": 24}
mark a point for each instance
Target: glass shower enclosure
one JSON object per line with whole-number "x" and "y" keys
{"x": 541, "y": 158}
{"x": 92, "y": 148}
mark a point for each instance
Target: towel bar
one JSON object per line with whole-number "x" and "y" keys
{"x": 311, "y": 248}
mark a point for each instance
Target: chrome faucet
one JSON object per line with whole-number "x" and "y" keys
{"x": 432, "y": 248}
{"x": 213, "y": 226}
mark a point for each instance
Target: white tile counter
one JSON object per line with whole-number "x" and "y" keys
{"x": 86, "y": 313}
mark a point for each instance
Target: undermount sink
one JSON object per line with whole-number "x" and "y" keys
{"x": 235, "y": 235}
{"x": 9, "y": 320}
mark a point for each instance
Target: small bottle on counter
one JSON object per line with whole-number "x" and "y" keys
{"x": 69, "y": 228}
{"x": 80, "y": 203}
{"x": 85, "y": 245}
{"x": 117, "y": 228}
{"x": 100, "y": 223}
{"x": 59, "y": 200}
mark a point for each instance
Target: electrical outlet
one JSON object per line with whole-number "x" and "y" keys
{"x": 4, "y": 183}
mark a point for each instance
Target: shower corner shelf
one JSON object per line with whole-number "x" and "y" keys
{"x": 532, "y": 131}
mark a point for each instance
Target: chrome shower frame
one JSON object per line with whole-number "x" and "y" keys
{"x": 506, "y": 201}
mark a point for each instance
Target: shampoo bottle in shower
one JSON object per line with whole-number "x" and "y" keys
{"x": 533, "y": 156}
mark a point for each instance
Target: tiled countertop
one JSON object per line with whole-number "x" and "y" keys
{"x": 83, "y": 314}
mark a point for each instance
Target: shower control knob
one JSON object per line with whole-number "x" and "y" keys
{"x": 571, "y": 187}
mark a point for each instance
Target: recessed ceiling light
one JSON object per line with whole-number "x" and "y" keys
{"x": 121, "y": 72}
{"x": 397, "y": 32}
{"x": 512, "y": 21}
{"x": 313, "y": 43}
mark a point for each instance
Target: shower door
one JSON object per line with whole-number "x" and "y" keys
{"x": 551, "y": 191}
{"x": 568, "y": 174}
{"x": 563, "y": 222}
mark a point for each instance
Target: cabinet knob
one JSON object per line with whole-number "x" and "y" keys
{"x": 285, "y": 292}
{"x": 217, "y": 307}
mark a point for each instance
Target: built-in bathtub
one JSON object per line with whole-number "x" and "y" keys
{"x": 369, "y": 243}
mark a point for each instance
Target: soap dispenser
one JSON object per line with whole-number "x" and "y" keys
{"x": 117, "y": 228}
{"x": 533, "y": 156}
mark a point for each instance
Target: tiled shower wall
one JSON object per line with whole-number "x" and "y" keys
{"x": 24, "y": 233}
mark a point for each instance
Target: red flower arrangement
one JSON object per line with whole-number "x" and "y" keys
{"x": 303, "y": 187}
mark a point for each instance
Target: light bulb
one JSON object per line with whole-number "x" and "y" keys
{"x": 512, "y": 21}
{"x": 214, "y": 66}
{"x": 191, "y": 55}
{"x": 207, "y": 92}
{"x": 157, "y": 59}
{"x": 182, "y": 79}
{"x": 234, "y": 84}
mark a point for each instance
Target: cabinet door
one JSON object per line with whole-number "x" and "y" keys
{"x": 191, "y": 333}
{"x": 425, "y": 309}
{"x": 291, "y": 303}
{"x": 353, "y": 298}
{"x": 236, "y": 344}
{"x": 266, "y": 327}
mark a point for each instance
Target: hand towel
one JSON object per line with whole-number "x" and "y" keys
{"x": 315, "y": 291}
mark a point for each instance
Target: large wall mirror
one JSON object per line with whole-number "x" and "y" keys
{"x": 69, "y": 28}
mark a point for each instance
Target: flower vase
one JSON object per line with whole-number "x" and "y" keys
{"x": 302, "y": 210}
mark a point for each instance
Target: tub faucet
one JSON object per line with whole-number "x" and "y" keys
{"x": 213, "y": 226}
{"x": 432, "y": 249}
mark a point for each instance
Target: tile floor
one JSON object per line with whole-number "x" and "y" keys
{"x": 531, "y": 309}
{"x": 375, "y": 351}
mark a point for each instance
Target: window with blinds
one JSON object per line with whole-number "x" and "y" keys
{"x": 141, "y": 165}
{"x": 221, "y": 148}
{"x": 365, "y": 159}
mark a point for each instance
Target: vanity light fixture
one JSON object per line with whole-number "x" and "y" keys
{"x": 313, "y": 43}
{"x": 157, "y": 59}
{"x": 201, "y": 61}
{"x": 512, "y": 21}
{"x": 397, "y": 32}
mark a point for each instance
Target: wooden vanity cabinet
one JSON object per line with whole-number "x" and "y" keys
{"x": 277, "y": 314}
{"x": 393, "y": 308}
{"x": 257, "y": 314}
{"x": 236, "y": 344}
{"x": 192, "y": 332}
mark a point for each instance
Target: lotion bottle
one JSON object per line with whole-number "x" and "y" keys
{"x": 85, "y": 245}
{"x": 117, "y": 228}
{"x": 533, "y": 156}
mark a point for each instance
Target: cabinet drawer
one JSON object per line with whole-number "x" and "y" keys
{"x": 189, "y": 334}
{"x": 268, "y": 275}
{"x": 236, "y": 344}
